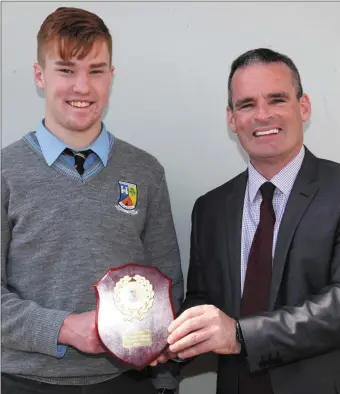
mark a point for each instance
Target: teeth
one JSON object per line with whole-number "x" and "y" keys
{"x": 79, "y": 104}
{"x": 267, "y": 132}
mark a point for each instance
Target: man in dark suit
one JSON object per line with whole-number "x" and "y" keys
{"x": 263, "y": 283}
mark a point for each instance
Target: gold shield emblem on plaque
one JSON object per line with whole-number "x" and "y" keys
{"x": 133, "y": 296}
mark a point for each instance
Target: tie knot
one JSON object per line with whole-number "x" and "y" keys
{"x": 267, "y": 191}
{"x": 83, "y": 153}
{"x": 79, "y": 158}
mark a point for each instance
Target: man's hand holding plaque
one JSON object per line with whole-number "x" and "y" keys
{"x": 134, "y": 311}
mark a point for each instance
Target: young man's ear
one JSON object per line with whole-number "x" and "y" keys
{"x": 39, "y": 75}
{"x": 112, "y": 73}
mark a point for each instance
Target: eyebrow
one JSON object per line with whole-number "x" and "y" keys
{"x": 243, "y": 101}
{"x": 247, "y": 100}
{"x": 64, "y": 63}
{"x": 278, "y": 95}
{"x": 98, "y": 65}
{"x": 72, "y": 64}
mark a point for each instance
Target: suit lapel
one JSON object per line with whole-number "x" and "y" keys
{"x": 303, "y": 191}
{"x": 233, "y": 218}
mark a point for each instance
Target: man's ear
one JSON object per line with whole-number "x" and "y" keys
{"x": 231, "y": 119}
{"x": 305, "y": 108}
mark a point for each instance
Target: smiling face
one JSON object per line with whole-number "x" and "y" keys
{"x": 267, "y": 116}
{"x": 76, "y": 90}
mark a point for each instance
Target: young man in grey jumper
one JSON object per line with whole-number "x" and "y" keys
{"x": 76, "y": 202}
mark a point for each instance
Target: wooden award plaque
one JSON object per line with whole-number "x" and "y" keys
{"x": 134, "y": 311}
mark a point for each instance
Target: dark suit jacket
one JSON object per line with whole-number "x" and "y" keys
{"x": 298, "y": 338}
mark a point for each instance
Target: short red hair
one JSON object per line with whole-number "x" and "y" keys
{"x": 72, "y": 32}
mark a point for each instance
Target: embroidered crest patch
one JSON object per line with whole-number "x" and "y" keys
{"x": 128, "y": 196}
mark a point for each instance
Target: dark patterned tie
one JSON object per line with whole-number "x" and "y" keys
{"x": 257, "y": 284}
{"x": 79, "y": 158}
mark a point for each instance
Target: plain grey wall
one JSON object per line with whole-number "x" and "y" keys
{"x": 170, "y": 90}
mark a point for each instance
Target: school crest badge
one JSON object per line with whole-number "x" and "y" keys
{"x": 128, "y": 195}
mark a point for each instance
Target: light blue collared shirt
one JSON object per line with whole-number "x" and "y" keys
{"x": 52, "y": 147}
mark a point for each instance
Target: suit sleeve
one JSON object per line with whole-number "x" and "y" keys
{"x": 289, "y": 334}
{"x": 196, "y": 290}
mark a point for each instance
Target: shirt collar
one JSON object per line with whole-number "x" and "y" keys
{"x": 283, "y": 180}
{"x": 52, "y": 147}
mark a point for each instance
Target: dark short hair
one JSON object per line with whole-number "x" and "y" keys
{"x": 265, "y": 56}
